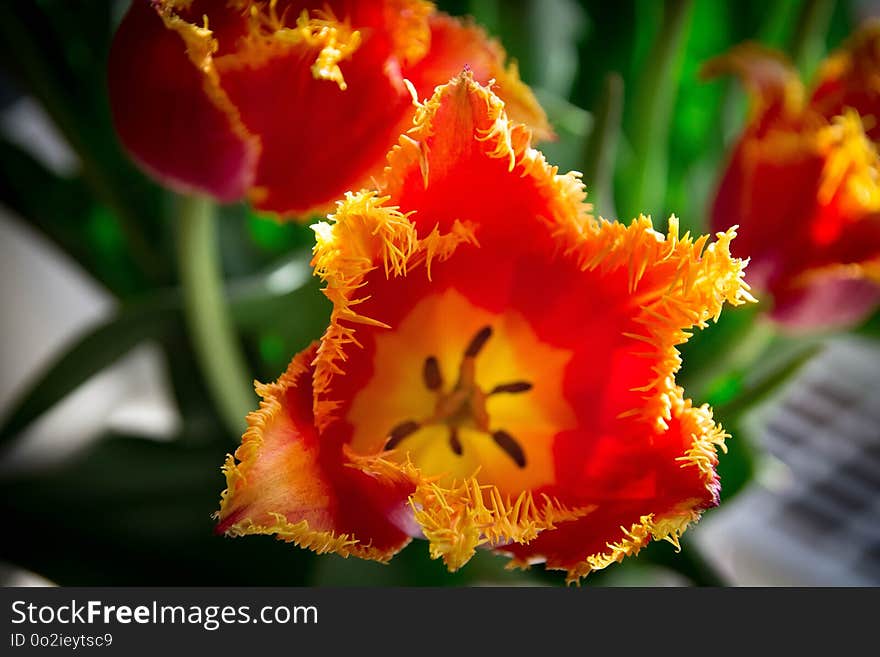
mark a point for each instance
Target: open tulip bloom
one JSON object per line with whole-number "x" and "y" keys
{"x": 803, "y": 183}
{"x": 289, "y": 104}
{"x": 499, "y": 367}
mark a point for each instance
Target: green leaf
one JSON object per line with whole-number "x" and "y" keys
{"x": 770, "y": 376}
{"x": 89, "y": 354}
{"x": 552, "y": 30}
{"x": 777, "y": 25}
{"x": 572, "y": 125}
{"x": 651, "y": 113}
{"x": 601, "y": 148}
{"x": 870, "y": 328}
{"x": 36, "y": 50}
{"x": 808, "y": 43}
{"x": 283, "y": 294}
{"x": 285, "y": 298}
{"x": 63, "y": 210}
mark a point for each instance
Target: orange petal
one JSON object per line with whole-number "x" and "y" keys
{"x": 671, "y": 482}
{"x": 456, "y": 44}
{"x": 284, "y": 481}
{"x": 478, "y": 227}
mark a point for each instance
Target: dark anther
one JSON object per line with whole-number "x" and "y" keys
{"x": 400, "y": 432}
{"x": 433, "y": 377}
{"x": 454, "y": 441}
{"x": 508, "y": 443}
{"x": 516, "y": 386}
{"x": 478, "y": 341}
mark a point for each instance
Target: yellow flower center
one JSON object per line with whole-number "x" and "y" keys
{"x": 464, "y": 405}
{"x": 460, "y": 390}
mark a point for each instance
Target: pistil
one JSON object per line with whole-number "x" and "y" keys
{"x": 464, "y": 405}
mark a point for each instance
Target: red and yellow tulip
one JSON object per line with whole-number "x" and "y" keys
{"x": 803, "y": 183}
{"x": 289, "y": 104}
{"x": 499, "y": 366}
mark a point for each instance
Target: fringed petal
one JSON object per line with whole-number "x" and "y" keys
{"x": 367, "y": 50}
{"x": 459, "y": 43}
{"x": 672, "y": 481}
{"x": 458, "y": 519}
{"x": 802, "y": 184}
{"x": 321, "y": 98}
{"x": 461, "y": 140}
{"x": 805, "y": 197}
{"x": 850, "y": 79}
{"x": 621, "y": 541}
{"x": 583, "y": 315}
{"x": 675, "y": 284}
{"x": 365, "y": 235}
{"x": 287, "y": 103}
{"x": 169, "y": 109}
{"x": 283, "y": 481}
{"x": 410, "y": 28}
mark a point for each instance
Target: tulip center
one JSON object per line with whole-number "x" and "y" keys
{"x": 463, "y": 405}
{"x": 462, "y": 391}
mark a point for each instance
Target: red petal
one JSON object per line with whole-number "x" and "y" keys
{"x": 831, "y": 300}
{"x": 848, "y": 79}
{"x": 461, "y": 166}
{"x": 477, "y": 224}
{"x": 318, "y": 140}
{"x": 285, "y": 481}
{"x": 456, "y": 44}
{"x": 170, "y": 115}
{"x": 770, "y": 193}
{"x": 802, "y": 188}
{"x": 641, "y": 493}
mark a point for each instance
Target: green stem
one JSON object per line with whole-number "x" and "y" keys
{"x": 777, "y": 24}
{"x": 808, "y": 41}
{"x": 601, "y": 147}
{"x": 653, "y": 108}
{"x": 214, "y": 340}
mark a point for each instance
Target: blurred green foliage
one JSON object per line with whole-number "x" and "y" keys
{"x": 134, "y": 511}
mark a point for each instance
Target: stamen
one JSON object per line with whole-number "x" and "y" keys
{"x": 400, "y": 432}
{"x": 464, "y": 405}
{"x": 454, "y": 441}
{"x": 432, "y": 375}
{"x": 508, "y": 443}
{"x": 516, "y": 386}
{"x": 477, "y": 342}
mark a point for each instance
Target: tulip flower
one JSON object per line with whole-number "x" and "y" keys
{"x": 850, "y": 78}
{"x": 802, "y": 184}
{"x": 289, "y": 104}
{"x": 499, "y": 366}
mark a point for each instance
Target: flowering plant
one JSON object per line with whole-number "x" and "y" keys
{"x": 512, "y": 285}
{"x": 802, "y": 183}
